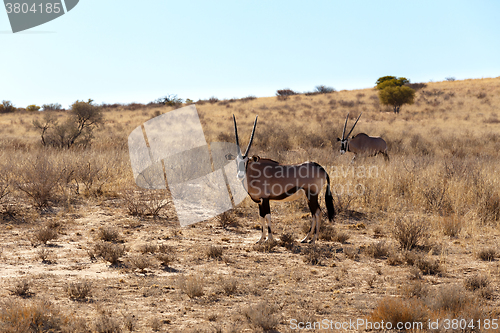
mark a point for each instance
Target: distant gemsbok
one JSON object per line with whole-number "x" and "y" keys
{"x": 266, "y": 180}
{"x": 361, "y": 143}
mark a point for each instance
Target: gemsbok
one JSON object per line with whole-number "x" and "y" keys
{"x": 361, "y": 143}
{"x": 267, "y": 180}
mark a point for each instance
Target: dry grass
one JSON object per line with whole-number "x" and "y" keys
{"x": 442, "y": 179}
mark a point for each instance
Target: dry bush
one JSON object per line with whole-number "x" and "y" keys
{"x": 452, "y": 225}
{"x": 227, "y": 219}
{"x": 22, "y": 288}
{"x": 166, "y": 255}
{"x": 262, "y": 316}
{"x": 342, "y": 237}
{"x": 228, "y": 285}
{"x": 140, "y": 262}
{"x": 488, "y": 254}
{"x": 40, "y": 180}
{"x": 409, "y": 232}
{"x": 453, "y": 300}
{"x": 79, "y": 291}
{"x": 94, "y": 172}
{"x": 214, "y": 252}
{"x": 313, "y": 255}
{"x": 475, "y": 282}
{"x": 378, "y": 250}
{"x": 156, "y": 324}
{"x": 129, "y": 321}
{"x": 327, "y": 233}
{"x": 35, "y": 316}
{"x": 351, "y": 252}
{"x": 44, "y": 254}
{"x": 108, "y": 234}
{"x": 44, "y": 235}
{"x": 429, "y": 266}
{"x": 192, "y": 285}
{"x": 109, "y": 252}
{"x": 148, "y": 248}
{"x": 395, "y": 310}
{"x": 266, "y": 247}
{"x": 146, "y": 203}
{"x": 414, "y": 289}
{"x": 106, "y": 322}
{"x": 287, "y": 240}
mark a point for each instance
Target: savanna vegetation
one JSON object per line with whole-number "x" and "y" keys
{"x": 83, "y": 249}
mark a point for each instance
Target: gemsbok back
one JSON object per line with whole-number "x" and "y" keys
{"x": 267, "y": 180}
{"x": 361, "y": 143}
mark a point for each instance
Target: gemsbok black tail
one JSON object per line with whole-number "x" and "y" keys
{"x": 329, "y": 200}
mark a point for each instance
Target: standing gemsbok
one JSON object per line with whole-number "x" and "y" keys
{"x": 361, "y": 143}
{"x": 266, "y": 180}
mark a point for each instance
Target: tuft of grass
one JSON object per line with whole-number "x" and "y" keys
{"x": 429, "y": 266}
{"x": 80, "y": 290}
{"x": 378, "y": 250}
{"x": 109, "y": 252}
{"x": 488, "y": 254}
{"x": 214, "y": 252}
{"x": 108, "y": 234}
{"x": 475, "y": 282}
{"x": 29, "y": 316}
{"x": 106, "y": 322}
{"x": 43, "y": 235}
{"x": 394, "y": 310}
{"x": 166, "y": 255}
{"x": 140, "y": 262}
{"x": 192, "y": 285}
{"x": 22, "y": 288}
{"x": 262, "y": 316}
{"x": 452, "y": 225}
{"x": 409, "y": 232}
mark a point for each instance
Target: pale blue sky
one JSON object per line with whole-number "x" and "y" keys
{"x": 136, "y": 51}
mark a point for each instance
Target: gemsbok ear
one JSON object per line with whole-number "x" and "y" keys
{"x": 230, "y": 157}
{"x": 338, "y": 139}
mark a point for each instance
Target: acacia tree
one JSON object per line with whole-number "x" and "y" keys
{"x": 394, "y": 91}
{"x": 77, "y": 129}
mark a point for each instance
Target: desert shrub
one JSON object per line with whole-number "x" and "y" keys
{"x": 428, "y": 266}
{"x": 395, "y": 310}
{"x": 415, "y": 289}
{"x": 262, "y": 316}
{"x": 106, "y": 322}
{"x": 52, "y": 107}
{"x": 342, "y": 237}
{"x": 477, "y": 281}
{"x": 108, "y": 234}
{"x": 145, "y": 203}
{"x": 21, "y": 288}
{"x": 44, "y": 255}
{"x": 171, "y": 100}
{"x": 94, "y": 173}
{"x": 283, "y": 94}
{"x": 36, "y": 316}
{"x": 7, "y": 107}
{"x": 129, "y": 321}
{"x": 166, "y": 255}
{"x": 227, "y": 219}
{"x": 140, "y": 262}
{"x": 313, "y": 255}
{"x": 377, "y": 250}
{"x": 156, "y": 324}
{"x": 40, "y": 179}
{"x": 43, "y": 235}
{"x": 452, "y": 225}
{"x": 32, "y": 107}
{"x": 148, "y": 248}
{"x": 80, "y": 290}
{"x": 409, "y": 232}
{"x": 192, "y": 285}
{"x": 487, "y": 254}
{"x": 214, "y": 252}
{"x": 326, "y": 232}
{"x": 228, "y": 285}
{"x": 287, "y": 240}
{"x": 451, "y": 299}
{"x": 109, "y": 252}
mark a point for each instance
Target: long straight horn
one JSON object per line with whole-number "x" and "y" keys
{"x": 251, "y": 138}
{"x": 345, "y": 124}
{"x": 354, "y": 124}
{"x": 236, "y": 135}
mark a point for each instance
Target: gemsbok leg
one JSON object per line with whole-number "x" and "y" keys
{"x": 265, "y": 216}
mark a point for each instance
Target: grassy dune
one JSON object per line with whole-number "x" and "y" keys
{"x": 84, "y": 250}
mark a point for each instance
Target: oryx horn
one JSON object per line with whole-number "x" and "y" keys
{"x": 354, "y": 124}
{"x": 251, "y": 138}
{"x": 345, "y": 124}
{"x": 236, "y": 134}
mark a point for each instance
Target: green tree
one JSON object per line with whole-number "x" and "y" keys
{"x": 32, "y": 107}
{"x": 7, "y": 107}
{"x": 393, "y": 91}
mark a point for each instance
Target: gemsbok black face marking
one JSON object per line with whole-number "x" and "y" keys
{"x": 361, "y": 143}
{"x": 267, "y": 180}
